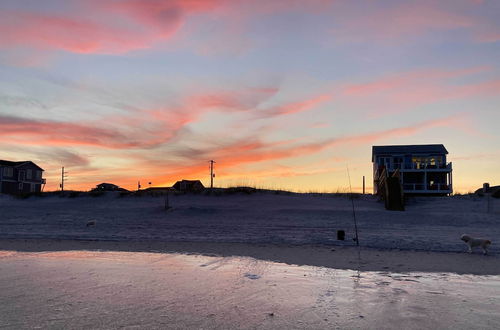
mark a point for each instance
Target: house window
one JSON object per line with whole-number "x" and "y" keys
{"x": 21, "y": 186}
{"x": 384, "y": 161}
{"x": 8, "y": 172}
{"x": 421, "y": 162}
{"x": 398, "y": 161}
{"x": 38, "y": 174}
{"x": 29, "y": 174}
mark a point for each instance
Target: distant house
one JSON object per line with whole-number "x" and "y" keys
{"x": 20, "y": 177}
{"x": 189, "y": 186}
{"x": 422, "y": 168}
{"x": 108, "y": 187}
{"x": 487, "y": 189}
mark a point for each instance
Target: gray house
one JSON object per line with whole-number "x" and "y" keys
{"x": 20, "y": 177}
{"x": 422, "y": 168}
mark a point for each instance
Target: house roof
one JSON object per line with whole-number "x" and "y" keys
{"x": 189, "y": 181}
{"x": 16, "y": 164}
{"x": 107, "y": 184}
{"x": 409, "y": 149}
{"x": 489, "y": 190}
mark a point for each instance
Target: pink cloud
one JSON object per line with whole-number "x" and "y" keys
{"x": 137, "y": 128}
{"x": 54, "y": 133}
{"x": 296, "y": 107}
{"x": 253, "y": 151}
{"x": 70, "y": 34}
{"x": 133, "y": 25}
{"x": 161, "y": 15}
{"x": 234, "y": 154}
{"x": 114, "y": 26}
{"x": 408, "y": 19}
{"x": 401, "y": 92}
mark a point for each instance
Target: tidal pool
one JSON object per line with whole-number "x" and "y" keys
{"x": 109, "y": 290}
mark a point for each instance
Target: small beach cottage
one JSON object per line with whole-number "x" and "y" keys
{"x": 422, "y": 168}
{"x": 20, "y": 177}
{"x": 108, "y": 187}
{"x": 189, "y": 186}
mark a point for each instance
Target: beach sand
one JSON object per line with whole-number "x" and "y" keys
{"x": 139, "y": 290}
{"x": 339, "y": 257}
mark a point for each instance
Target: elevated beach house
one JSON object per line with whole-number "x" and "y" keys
{"x": 422, "y": 169}
{"x": 20, "y": 177}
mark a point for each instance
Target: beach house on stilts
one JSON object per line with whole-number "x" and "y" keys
{"x": 422, "y": 169}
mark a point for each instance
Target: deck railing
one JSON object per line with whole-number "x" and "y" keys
{"x": 435, "y": 187}
{"x": 417, "y": 166}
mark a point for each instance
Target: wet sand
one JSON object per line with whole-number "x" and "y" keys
{"x": 310, "y": 255}
{"x": 111, "y": 290}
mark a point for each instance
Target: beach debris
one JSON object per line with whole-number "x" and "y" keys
{"x": 270, "y": 314}
{"x": 252, "y": 276}
{"x": 91, "y": 223}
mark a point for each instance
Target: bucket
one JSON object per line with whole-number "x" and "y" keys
{"x": 340, "y": 235}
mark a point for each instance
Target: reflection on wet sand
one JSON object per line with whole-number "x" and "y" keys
{"x": 81, "y": 289}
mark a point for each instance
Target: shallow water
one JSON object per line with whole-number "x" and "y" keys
{"x": 83, "y": 289}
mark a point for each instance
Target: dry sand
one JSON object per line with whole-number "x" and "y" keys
{"x": 312, "y": 255}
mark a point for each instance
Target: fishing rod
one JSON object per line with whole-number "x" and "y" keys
{"x": 353, "y": 211}
{"x": 355, "y": 225}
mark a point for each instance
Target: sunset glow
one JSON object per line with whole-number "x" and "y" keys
{"x": 282, "y": 94}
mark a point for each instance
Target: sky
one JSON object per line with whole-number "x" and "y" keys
{"x": 282, "y": 94}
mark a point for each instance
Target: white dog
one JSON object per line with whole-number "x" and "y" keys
{"x": 475, "y": 242}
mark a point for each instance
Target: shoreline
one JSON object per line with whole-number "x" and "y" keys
{"x": 339, "y": 257}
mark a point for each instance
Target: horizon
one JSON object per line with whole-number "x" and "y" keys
{"x": 281, "y": 94}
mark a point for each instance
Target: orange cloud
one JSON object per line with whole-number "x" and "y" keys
{"x": 238, "y": 152}
{"x": 231, "y": 156}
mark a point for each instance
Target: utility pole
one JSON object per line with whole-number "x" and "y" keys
{"x": 212, "y": 175}
{"x": 363, "y": 184}
{"x": 63, "y": 176}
